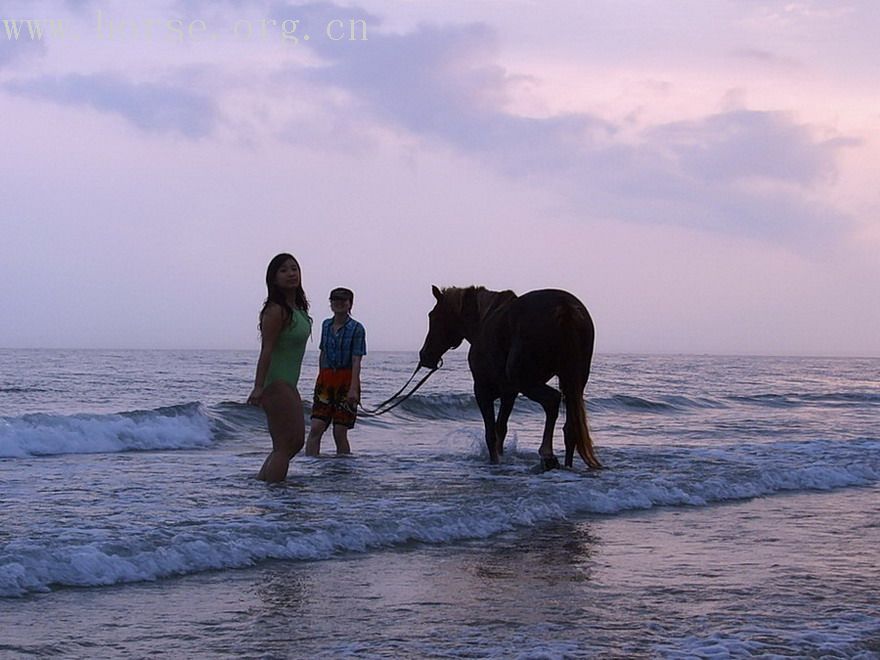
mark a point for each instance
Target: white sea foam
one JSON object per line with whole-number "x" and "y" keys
{"x": 180, "y": 427}
{"x": 700, "y": 477}
{"x": 500, "y": 500}
{"x": 32, "y": 567}
{"x": 842, "y": 637}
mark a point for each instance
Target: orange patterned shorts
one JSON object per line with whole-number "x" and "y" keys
{"x": 331, "y": 398}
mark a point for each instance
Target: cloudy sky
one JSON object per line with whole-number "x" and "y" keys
{"x": 702, "y": 173}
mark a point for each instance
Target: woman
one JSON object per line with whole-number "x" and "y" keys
{"x": 284, "y": 326}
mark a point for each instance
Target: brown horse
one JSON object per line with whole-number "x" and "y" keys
{"x": 518, "y": 343}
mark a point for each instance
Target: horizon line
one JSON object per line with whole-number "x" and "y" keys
{"x": 638, "y": 352}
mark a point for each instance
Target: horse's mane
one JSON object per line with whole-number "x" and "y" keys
{"x": 462, "y": 298}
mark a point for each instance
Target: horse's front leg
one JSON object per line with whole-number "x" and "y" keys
{"x": 507, "y": 401}
{"x": 486, "y": 403}
{"x": 549, "y": 399}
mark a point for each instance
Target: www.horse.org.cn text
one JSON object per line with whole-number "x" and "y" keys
{"x": 109, "y": 28}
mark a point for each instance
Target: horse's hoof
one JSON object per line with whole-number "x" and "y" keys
{"x": 549, "y": 463}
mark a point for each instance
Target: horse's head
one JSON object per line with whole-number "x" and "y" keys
{"x": 445, "y": 328}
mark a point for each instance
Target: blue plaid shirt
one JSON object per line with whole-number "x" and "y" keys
{"x": 337, "y": 348}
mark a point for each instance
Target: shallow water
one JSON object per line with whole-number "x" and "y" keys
{"x": 738, "y": 515}
{"x": 775, "y": 576}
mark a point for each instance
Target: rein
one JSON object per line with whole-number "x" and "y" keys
{"x": 375, "y": 412}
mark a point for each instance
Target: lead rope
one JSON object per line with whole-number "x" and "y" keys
{"x": 375, "y": 412}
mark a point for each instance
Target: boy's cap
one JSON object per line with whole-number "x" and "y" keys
{"x": 341, "y": 293}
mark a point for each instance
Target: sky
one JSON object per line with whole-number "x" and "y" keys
{"x": 701, "y": 173}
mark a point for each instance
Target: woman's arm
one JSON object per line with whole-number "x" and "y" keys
{"x": 272, "y": 324}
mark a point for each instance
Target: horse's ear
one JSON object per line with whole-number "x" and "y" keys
{"x": 437, "y": 293}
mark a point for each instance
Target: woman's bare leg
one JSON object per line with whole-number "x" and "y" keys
{"x": 284, "y": 413}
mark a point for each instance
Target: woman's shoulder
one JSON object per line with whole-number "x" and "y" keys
{"x": 274, "y": 310}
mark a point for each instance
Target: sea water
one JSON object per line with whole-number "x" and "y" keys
{"x": 738, "y": 514}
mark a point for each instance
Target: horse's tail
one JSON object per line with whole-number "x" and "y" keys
{"x": 574, "y": 371}
{"x": 576, "y": 416}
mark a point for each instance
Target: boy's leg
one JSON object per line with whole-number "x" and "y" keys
{"x": 344, "y": 415}
{"x": 322, "y": 413}
{"x": 313, "y": 445}
{"x": 340, "y": 435}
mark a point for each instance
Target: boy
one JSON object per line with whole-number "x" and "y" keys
{"x": 338, "y": 388}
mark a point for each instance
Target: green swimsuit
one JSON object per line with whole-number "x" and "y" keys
{"x": 287, "y": 356}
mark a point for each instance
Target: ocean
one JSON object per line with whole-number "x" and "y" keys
{"x": 738, "y": 515}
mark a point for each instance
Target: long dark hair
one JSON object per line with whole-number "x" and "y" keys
{"x": 275, "y": 295}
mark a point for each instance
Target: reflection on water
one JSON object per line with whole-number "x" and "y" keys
{"x": 284, "y": 592}
{"x": 557, "y": 552}
{"x": 431, "y": 598}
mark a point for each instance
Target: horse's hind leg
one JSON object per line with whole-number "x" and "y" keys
{"x": 569, "y": 433}
{"x": 504, "y": 411}
{"x": 486, "y": 403}
{"x": 549, "y": 399}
